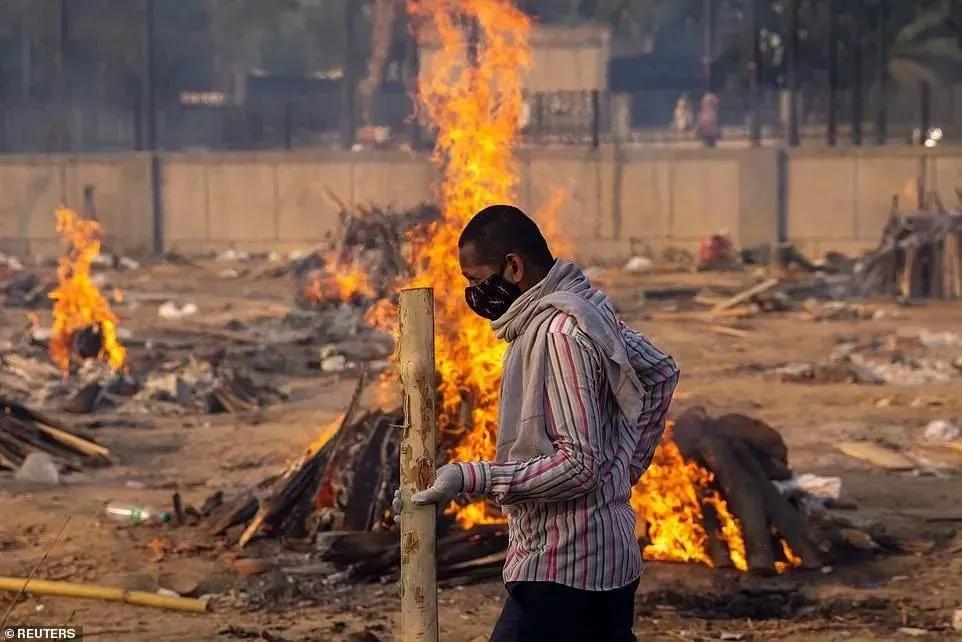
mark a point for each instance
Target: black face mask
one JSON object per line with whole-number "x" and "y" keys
{"x": 492, "y": 297}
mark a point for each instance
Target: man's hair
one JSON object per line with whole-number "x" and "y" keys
{"x": 498, "y": 230}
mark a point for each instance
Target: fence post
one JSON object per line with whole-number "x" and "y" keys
{"x": 925, "y": 108}
{"x": 857, "y": 85}
{"x": 595, "y": 118}
{"x": 881, "y": 116}
{"x": 288, "y": 124}
{"x": 416, "y": 364}
{"x": 755, "y": 75}
{"x": 832, "y": 131}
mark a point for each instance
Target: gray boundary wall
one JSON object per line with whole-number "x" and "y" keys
{"x": 616, "y": 202}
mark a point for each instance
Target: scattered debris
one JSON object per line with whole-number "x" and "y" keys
{"x": 170, "y": 310}
{"x": 919, "y": 256}
{"x": 716, "y": 252}
{"x": 38, "y": 468}
{"x": 231, "y": 254}
{"x": 823, "y": 488}
{"x": 941, "y": 431}
{"x": 637, "y": 264}
{"x": 946, "y": 339}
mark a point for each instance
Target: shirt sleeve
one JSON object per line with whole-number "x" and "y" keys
{"x": 652, "y": 420}
{"x": 573, "y": 420}
{"x": 659, "y": 374}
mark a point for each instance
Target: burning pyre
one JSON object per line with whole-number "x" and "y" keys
{"x": 473, "y": 96}
{"x": 79, "y": 307}
{"x": 472, "y": 93}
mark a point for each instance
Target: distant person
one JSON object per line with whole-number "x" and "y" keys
{"x": 582, "y": 407}
{"x": 709, "y": 130}
{"x": 683, "y": 119}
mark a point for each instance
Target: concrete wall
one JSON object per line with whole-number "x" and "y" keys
{"x": 841, "y": 199}
{"x": 279, "y": 200}
{"x": 31, "y": 187}
{"x": 610, "y": 202}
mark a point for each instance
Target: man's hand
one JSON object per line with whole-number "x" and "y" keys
{"x": 448, "y": 484}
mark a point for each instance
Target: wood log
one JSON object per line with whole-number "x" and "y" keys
{"x": 952, "y": 265}
{"x": 367, "y": 492}
{"x": 717, "y": 548}
{"x": 729, "y": 331}
{"x": 876, "y": 455}
{"x": 694, "y": 422}
{"x": 783, "y": 515}
{"x": 746, "y": 502}
{"x": 298, "y": 482}
{"x": 84, "y": 400}
{"x": 349, "y": 547}
{"x": 907, "y": 275}
{"x": 55, "y": 431}
{"x": 416, "y": 363}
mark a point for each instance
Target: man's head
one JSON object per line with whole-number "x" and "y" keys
{"x": 502, "y": 254}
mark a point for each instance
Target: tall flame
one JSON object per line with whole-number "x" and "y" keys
{"x": 472, "y": 93}
{"x": 78, "y": 304}
{"x": 668, "y": 501}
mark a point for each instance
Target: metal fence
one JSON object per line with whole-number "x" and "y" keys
{"x": 573, "y": 117}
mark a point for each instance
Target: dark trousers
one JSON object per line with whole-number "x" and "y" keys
{"x": 544, "y": 611}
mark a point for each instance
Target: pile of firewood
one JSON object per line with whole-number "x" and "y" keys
{"x": 370, "y": 239}
{"x": 920, "y": 255}
{"x": 336, "y": 502}
{"x": 24, "y": 431}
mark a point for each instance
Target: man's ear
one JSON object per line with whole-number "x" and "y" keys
{"x": 514, "y": 268}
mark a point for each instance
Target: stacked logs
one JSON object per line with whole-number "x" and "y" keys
{"x": 24, "y": 431}
{"x": 920, "y": 255}
{"x": 336, "y": 502}
{"x": 745, "y": 455}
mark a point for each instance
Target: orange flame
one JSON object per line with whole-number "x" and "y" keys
{"x": 668, "y": 501}
{"x": 78, "y": 304}
{"x": 338, "y": 283}
{"x": 475, "y": 103}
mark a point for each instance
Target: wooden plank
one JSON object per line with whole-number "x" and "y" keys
{"x": 746, "y": 295}
{"x": 877, "y": 455}
{"x": 729, "y": 331}
{"x": 907, "y": 275}
{"x": 952, "y": 265}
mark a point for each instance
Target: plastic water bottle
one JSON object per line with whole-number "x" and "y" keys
{"x": 134, "y": 515}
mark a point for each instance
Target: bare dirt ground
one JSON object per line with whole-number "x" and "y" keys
{"x": 874, "y": 599}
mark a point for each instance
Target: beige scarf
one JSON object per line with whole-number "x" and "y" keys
{"x": 521, "y": 415}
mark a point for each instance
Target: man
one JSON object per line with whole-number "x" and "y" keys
{"x": 583, "y": 404}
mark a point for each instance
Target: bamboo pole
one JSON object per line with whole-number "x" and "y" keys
{"x": 109, "y": 593}
{"x": 419, "y": 592}
{"x": 746, "y": 295}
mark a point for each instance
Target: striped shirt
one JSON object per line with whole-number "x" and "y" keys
{"x": 569, "y": 517}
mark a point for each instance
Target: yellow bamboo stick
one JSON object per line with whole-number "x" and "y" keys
{"x": 109, "y": 593}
